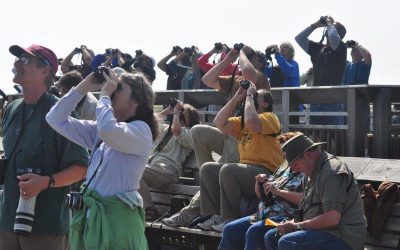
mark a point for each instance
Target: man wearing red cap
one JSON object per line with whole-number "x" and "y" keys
{"x": 40, "y": 162}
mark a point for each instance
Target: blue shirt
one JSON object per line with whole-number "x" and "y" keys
{"x": 289, "y": 68}
{"x": 356, "y": 73}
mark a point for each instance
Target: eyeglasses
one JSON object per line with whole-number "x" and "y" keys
{"x": 25, "y": 60}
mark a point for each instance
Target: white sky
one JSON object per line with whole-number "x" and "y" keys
{"x": 156, "y": 26}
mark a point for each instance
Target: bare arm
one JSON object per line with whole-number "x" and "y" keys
{"x": 66, "y": 62}
{"x": 251, "y": 118}
{"x": 87, "y": 57}
{"x": 32, "y": 184}
{"x": 211, "y": 78}
{"x": 162, "y": 64}
{"x": 176, "y": 122}
{"x": 366, "y": 55}
{"x": 221, "y": 120}
{"x": 248, "y": 70}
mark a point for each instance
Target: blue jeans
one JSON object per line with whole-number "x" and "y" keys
{"x": 304, "y": 240}
{"x": 241, "y": 234}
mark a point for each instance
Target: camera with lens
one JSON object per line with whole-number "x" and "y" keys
{"x": 98, "y": 74}
{"x": 324, "y": 20}
{"x": 78, "y": 50}
{"x": 74, "y": 200}
{"x": 176, "y": 48}
{"x": 269, "y": 52}
{"x": 351, "y": 43}
{"x": 238, "y": 46}
{"x": 25, "y": 214}
{"x": 268, "y": 199}
{"x": 172, "y": 102}
{"x": 218, "y": 46}
{"x": 108, "y": 51}
{"x": 114, "y": 51}
{"x": 244, "y": 84}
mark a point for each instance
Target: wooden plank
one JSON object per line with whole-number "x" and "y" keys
{"x": 196, "y": 231}
{"x": 396, "y": 210}
{"x": 386, "y": 240}
{"x": 382, "y": 170}
{"x": 356, "y": 164}
{"x": 175, "y": 189}
{"x": 382, "y": 122}
{"x": 393, "y": 224}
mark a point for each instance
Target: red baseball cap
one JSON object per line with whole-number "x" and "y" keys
{"x": 37, "y": 51}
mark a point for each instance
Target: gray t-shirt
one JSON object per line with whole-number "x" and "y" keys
{"x": 333, "y": 187}
{"x": 175, "y": 151}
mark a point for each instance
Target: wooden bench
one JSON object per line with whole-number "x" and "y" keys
{"x": 366, "y": 170}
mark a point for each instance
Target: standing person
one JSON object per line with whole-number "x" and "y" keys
{"x": 40, "y": 162}
{"x": 120, "y": 139}
{"x": 357, "y": 71}
{"x": 174, "y": 80}
{"x": 284, "y": 56}
{"x": 329, "y": 63}
{"x": 330, "y": 208}
{"x": 170, "y": 152}
{"x": 85, "y": 67}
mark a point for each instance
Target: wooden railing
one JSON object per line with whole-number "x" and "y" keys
{"x": 348, "y": 139}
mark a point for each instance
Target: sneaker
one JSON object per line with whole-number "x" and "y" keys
{"x": 220, "y": 227}
{"x": 180, "y": 219}
{"x": 207, "y": 225}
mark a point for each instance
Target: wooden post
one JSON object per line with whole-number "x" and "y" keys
{"x": 356, "y": 123}
{"x": 382, "y": 122}
{"x": 285, "y": 110}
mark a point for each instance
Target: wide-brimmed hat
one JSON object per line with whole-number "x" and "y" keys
{"x": 296, "y": 146}
{"x": 37, "y": 51}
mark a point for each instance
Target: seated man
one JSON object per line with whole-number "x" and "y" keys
{"x": 330, "y": 208}
{"x": 171, "y": 151}
{"x": 223, "y": 185}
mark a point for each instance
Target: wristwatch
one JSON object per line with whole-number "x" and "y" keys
{"x": 51, "y": 182}
{"x": 299, "y": 226}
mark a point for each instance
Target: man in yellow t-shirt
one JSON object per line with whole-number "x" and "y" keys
{"x": 223, "y": 185}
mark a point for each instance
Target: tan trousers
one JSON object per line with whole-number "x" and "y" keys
{"x": 11, "y": 241}
{"x": 223, "y": 185}
{"x": 208, "y": 139}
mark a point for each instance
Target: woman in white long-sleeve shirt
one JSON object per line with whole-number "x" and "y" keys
{"x": 120, "y": 140}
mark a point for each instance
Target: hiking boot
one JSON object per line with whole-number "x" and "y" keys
{"x": 181, "y": 219}
{"x": 207, "y": 225}
{"x": 220, "y": 227}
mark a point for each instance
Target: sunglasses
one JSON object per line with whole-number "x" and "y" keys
{"x": 25, "y": 60}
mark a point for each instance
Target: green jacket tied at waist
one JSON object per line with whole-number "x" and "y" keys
{"x": 107, "y": 223}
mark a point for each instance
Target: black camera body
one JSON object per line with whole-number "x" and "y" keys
{"x": 244, "y": 84}
{"x": 269, "y": 52}
{"x": 268, "y": 199}
{"x": 323, "y": 19}
{"x": 172, "y": 102}
{"x": 218, "y": 46}
{"x": 74, "y": 200}
{"x": 98, "y": 74}
{"x": 108, "y": 51}
{"x": 351, "y": 43}
{"x": 238, "y": 46}
{"x": 78, "y": 50}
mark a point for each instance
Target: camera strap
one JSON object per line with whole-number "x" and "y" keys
{"x": 98, "y": 166}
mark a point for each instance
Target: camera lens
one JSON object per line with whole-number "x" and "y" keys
{"x": 99, "y": 74}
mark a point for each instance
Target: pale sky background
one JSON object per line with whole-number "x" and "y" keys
{"x": 156, "y": 26}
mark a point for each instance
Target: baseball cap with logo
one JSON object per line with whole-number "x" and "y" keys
{"x": 37, "y": 50}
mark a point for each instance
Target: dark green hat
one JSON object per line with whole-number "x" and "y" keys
{"x": 297, "y": 145}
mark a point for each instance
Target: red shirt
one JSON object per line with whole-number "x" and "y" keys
{"x": 205, "y": 66}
